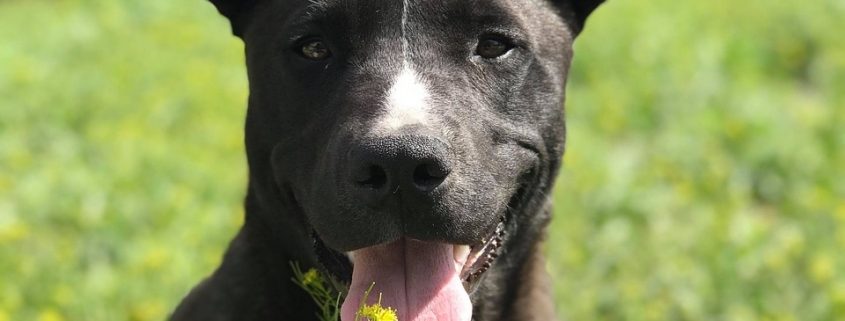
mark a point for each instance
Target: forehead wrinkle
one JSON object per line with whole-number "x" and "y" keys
{"x": 299, "y": 23}
{"x": 317, "y": 5}
{"x": 315, "y": 10}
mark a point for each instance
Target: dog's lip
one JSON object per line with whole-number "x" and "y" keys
{"x": 481, "y": 256}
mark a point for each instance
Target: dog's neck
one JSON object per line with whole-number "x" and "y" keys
{"x": 254, "y": 280}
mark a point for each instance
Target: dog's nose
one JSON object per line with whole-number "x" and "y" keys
{"x": 382, "y": 166}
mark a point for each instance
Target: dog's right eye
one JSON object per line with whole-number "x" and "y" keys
{"x": 490, "y": 48}
{"x": 314, "y": 49}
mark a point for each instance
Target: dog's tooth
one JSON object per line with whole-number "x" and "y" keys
{"x": 461, "y": 254}
{"x": 351, "y": 256}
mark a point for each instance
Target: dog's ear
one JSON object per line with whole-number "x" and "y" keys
{"x": 575, "y": 12}
{"x": 236, "y": 11}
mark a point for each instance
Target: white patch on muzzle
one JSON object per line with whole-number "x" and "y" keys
{"x": 406, "y": 101}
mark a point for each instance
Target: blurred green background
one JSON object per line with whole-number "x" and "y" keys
{"x": 704, "y": 176}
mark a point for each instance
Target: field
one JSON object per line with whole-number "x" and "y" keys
{"x": 704, "y": 177}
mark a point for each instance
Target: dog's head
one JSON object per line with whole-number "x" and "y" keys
{"x": 419, "y": 136}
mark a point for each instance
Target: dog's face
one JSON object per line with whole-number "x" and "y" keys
{"x": 408, "y": 122}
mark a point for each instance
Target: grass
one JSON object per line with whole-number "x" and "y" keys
{"x": 703, "y": 178}
{"x": 326, "y": 292}
{"x": 329, "y": 294}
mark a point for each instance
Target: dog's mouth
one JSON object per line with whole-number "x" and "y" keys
{"x": 478, "y": 258}
{"x": 421, "y": 280}
{"x": 475, "y": 259}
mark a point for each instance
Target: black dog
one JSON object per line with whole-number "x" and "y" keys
{"x": 410, "y": 143}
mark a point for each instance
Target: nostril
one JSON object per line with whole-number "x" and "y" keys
{"x": 372, "y": 176}
{"x": 429, "y": 176}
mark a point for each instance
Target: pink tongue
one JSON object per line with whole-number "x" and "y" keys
{"x": 418, "y": 279}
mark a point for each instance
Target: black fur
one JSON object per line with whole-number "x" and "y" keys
{"x": 499, "y": 124}
{"x": 576, "y": 12}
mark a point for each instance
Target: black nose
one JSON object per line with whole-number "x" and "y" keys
{"x": 381, "y": 166}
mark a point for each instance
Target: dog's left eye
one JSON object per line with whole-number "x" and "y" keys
{"x": 315, "y": 49}
{"x": 490, "y": 48}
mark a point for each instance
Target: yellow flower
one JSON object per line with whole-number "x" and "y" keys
{"x": 376, "y": 312}
{"x": 312, "y": 277}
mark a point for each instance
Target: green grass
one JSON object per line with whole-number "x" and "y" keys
{"x": 704, "y": 176}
